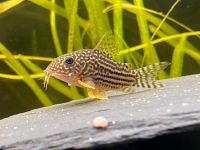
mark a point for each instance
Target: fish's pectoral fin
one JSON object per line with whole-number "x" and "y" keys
{"x": 85, "y": 84}
{"x": 93, "y": 93}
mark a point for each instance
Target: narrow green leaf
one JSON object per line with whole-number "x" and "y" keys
{"x": 19, "y": 77}
{"x": 54, "y": 31}
{"x": 58, "y": 10}
{"x": 72, "y": 25}
{"x": 177, "y": 58}
{"x": 5, "y": 6}
{"x": 118, "y": 25}
{"x": 71, "y": 8}
{"x": 165, "y": 17}
{"x": 163, "y": 39}
{"x": 38, "y": 58}
{"x": 118, "y": 21}
{"x": 99, "y": 23}
{"x": 150, "y": 54}
{"x": 51, "y": 7}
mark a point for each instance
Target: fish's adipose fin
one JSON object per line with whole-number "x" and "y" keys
{"x": 146, "y": 76}
{"x": 99, "y": 94}
{"x": 108, "y": 44}
{"x": 85, "y": 84}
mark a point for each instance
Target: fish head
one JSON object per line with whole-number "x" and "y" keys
{"x": 67, "y": 67}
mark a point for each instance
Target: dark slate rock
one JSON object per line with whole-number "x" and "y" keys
{"x": 132, "y": 117}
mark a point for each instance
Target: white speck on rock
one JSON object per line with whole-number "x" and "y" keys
{"x": 186, "y": 91}
{"x": 90, "y": 138}
{"x": 168, "y": 110}
{"x": 147, "y": 102}
{"x": 132, "y": 104}
{"x": 113, "y": 122}
{"x": 15, "y": 127}
{"x": 31, "y": 128}
{"x": 123, "y": 103}
{"x": 130, "y": 114}
{"x": 184, "y": 104}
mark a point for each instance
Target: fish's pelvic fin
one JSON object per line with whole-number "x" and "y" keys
{"x": 98, "y": 94}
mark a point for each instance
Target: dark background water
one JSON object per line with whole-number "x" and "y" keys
{"x": 25, "y": 30}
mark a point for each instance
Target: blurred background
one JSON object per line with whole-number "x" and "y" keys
{"x": 32, "y": 32}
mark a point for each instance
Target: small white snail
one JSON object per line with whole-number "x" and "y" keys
{"x": 100, "y": 122}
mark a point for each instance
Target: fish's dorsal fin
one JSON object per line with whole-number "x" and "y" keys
{"x": 108, "y": 44}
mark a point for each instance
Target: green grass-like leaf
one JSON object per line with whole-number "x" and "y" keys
{"x": 177, "y": 58}
{"x": 99, "y": 23}
{"x": 150, "y": 55}
{"x": 7, "y": 5}
{"x": 74, "y": 41}
{"x": 72, "y": 24}
{"x": 163, "y": 39}
{"x": 173, "y": 6}
{"x": 54, "y": 30}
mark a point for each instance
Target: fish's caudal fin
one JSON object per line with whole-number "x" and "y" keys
{"x": 146, "y": 76}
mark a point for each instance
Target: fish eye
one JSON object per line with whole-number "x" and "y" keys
{"x": 69, "y": 60}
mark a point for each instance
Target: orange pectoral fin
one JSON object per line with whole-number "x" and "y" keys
{"x": 86, "y": 85}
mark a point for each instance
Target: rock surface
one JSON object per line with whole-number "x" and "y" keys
{"x": 132, "y": 117}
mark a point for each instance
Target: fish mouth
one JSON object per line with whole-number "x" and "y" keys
{"x": 60, "y": 76}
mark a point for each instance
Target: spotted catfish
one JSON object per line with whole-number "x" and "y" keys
{"x": 96, "y": 70}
